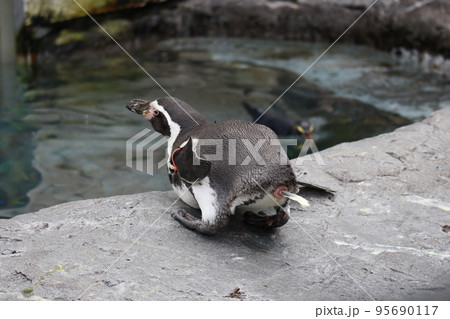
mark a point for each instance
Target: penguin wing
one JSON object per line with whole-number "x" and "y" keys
{"x": 189, "y": 165}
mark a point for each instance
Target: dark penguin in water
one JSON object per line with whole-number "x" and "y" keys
{"x": 223, "y": 167}
{"x": 281, "y": 125}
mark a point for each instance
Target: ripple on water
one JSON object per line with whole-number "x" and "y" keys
{"x": 80, "y": 124}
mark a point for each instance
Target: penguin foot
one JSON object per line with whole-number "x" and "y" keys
{"x": 196, "y": 224}
{"x": 261, "y": 219}
{"x": 256, "y": 219}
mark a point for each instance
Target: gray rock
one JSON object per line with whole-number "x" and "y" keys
{"x": 420, "y": 25}
{"x": 390, "y": 24}
{"x": 380, "y": 236}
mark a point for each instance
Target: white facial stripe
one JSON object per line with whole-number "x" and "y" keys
{"x": 174, "y": 128}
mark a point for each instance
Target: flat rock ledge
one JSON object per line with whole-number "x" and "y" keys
{"x": 381, "y": 236}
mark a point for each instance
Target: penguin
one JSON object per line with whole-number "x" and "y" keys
{"x": 281, "y": 125}
{"x": 222, "y": 168}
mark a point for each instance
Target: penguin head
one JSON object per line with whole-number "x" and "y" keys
{"x": 305, "y": 128}
{"x": 138, "y": 106}
{"x": 167, "y": 114}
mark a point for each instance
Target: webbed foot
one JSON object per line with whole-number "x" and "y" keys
{"x": 193, "y": 223}
{"x": 261, "y": 219}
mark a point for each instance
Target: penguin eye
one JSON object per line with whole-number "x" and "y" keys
{"x": 156, "y": 112}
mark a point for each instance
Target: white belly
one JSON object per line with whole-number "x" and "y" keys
{"x": 204, "y": 198}
{"x": 185, "y": 195}
{"x": 260, "y": 204}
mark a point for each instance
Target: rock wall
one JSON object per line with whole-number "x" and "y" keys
{"x": 389, "y": 24}
{"x": 53, "y": 11}
{"x": 386, "y": 25}
{"x": 383, "y": 235}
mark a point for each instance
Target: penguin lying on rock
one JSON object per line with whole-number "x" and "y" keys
{"x": 223, "y": 167}
{"x": 281, "y": 125}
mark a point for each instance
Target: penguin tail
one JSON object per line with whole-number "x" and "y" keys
{"x": 253, "y": 111}
{"x": 302, "y": 201}
{"x": 250, "y": 109}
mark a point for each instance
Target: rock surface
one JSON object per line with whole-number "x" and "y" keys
{"x": 61, "y": 10}
{"x": 381, "y": 236}
{"x": 388, "y": 24}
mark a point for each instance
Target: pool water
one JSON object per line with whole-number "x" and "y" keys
{"x": 64, "y": 125}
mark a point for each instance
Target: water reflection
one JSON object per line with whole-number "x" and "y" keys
{"x": 17, "y": 174}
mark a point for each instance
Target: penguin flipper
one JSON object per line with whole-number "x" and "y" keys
{"x": 191, "y": 168}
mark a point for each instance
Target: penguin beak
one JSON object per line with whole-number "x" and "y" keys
{"x": 302, "y": 131}
{"x": 309, "y": 133}
{"x": 137, "y": 106}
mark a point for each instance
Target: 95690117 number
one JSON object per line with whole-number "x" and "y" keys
{"x": 406, "y": 310}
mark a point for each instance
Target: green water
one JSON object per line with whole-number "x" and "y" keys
{"x": 64, "y": 125}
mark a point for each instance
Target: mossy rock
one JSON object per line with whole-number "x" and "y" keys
{"x": 116, "y": 28}
{"x": 62, "y": 10}
{"x": 66, "y": 37}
